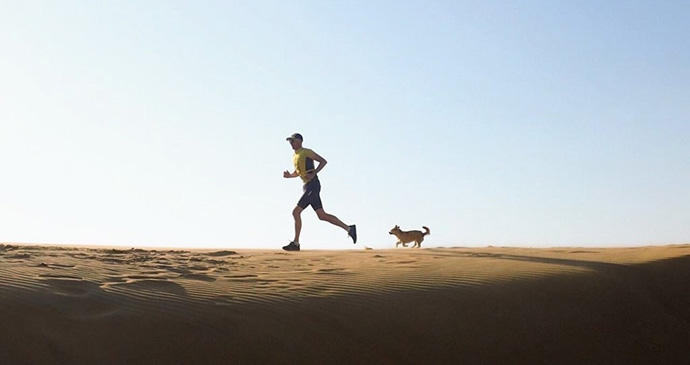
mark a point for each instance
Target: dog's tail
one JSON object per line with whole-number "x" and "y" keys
{"x": 428, "y": 231}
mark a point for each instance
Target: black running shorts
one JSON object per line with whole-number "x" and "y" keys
{"x": 311, "y": 195}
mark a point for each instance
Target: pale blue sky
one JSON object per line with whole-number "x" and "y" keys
{"x": 163, "y": 123}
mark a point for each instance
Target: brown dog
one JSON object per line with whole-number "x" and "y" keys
{"x": 405, "y": 237}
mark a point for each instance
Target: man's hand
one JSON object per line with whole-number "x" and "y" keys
{"x": 287, "y": 174}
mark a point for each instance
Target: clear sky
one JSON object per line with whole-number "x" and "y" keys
{"x": 163, "y": 123}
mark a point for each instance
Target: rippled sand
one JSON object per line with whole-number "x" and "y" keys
{"x": 457, "y": 305}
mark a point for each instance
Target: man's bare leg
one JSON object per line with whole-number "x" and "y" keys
{"x": 331, "y": 219}
{"x": 297, "y": 214}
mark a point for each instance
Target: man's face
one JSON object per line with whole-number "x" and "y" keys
{"x": 295, "y": 143}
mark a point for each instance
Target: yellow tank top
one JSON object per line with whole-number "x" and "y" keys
{"x": 304, "y": 162}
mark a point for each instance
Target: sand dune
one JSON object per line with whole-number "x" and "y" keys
{"x": 459, "y": 305}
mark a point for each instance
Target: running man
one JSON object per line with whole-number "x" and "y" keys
{"x": 304, "y": 168}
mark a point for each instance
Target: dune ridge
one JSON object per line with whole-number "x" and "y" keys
{"x": 447, "y": 305}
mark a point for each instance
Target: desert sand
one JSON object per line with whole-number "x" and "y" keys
{"x": 78, "y": 305}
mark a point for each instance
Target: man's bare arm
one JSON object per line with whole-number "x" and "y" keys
{"x": 322, "y": 162}
{"x": 288, "y": 175}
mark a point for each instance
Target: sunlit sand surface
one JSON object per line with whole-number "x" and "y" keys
{"x": 455, "y": 305}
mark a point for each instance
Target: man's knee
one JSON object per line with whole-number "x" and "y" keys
{"x": 297, "y": 212}
{"x": 322, "y": 215}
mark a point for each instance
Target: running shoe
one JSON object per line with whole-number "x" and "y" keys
{"x": 291, "y": 247}
{"x": 352, "y": 232}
